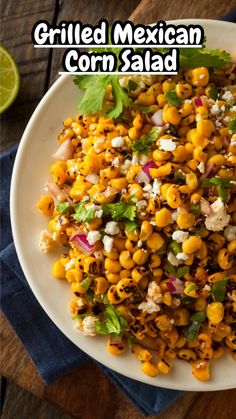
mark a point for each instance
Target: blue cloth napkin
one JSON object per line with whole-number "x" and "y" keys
{"x": 53, "y": 354}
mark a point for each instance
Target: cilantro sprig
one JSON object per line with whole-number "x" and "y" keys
{"x": 196, "y": 320}
{"x": 63, "y": 207}
{"x": 83, "y": 213}
{"x": 172, "y": 98}
{"x": 232, "y": 125}
{"x": 113, "y": 322}
{"x": 142, "y": 146}
{"x": 120, "y": 211}
{"x": 203, "y": 57}
{"x": 218, "y": 290}
{"x": 222, "y": 186}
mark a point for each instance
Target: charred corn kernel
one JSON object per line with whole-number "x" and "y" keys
{"x": 137, "y": 190}
{"x": 191, "y": 245}
{"x": 180, "y": 154}
{"x": 183, "y": 90}
{"x": 112, "y": 265}
{"x": 192, "y": 181}
{"x": 132, "y": 235}
{"x": 202, "y": 111}
{"x": 164, "y": 366}
{"x": 205, "y": 127}
{"x": 199, "y": 140}
{"x": 113, "y": 278}
{"x": 46, "y": 204}
{"x": 185, "y": 220}
{"x": 182, "y": 132}
{"x": 173, "y": 197}
{"x": 133, "y": 133}
{"x": 218, "y": 160}
{"x": 172, "y": 116}
{"x": 225, "y": 259}
{"x": 170, "y": 353}
{"x": 126, "y": 260}
{"x": 92, "y": 265}
{"x": 187, "y": 354}
{"x": 141, "y": 353}
{"x": 126, "y": 287}
{"x": 140, "y": 257}
{"x": 145, "y": 231}
{"x": 149, "y": 369}
{"x": 216, "y": 241}
{"x": 203, "y": 251}
{"x": 181, "y": 317}
{"x": 188, "y": 120}
{"x": 155, "y": 242}
{"x": 157, "y": 273}
{"x": 163, "y": 217}
{"x": 204, "y": 340}
{"x": 215, "y": 312}
{"x": 115, "y": 346}
{"x": 113, "y": 296}
{"x": 125, "y": 273}
{"x": 200, "y": 76}
{"x": 146, "y": 99}
{"x": 200, "y": 304}
{"x": 167, "y": 298}
{"x": 101, "y": 285}
{"x": 119, "y": 183}
{"x": 168, "y": 85}
{"x": 163, "y": 322}
{"x": 164, "y": 190}
{"x": 58, "y": 172}
{"x": 108, "y": 173}
{"x": 161, "y": 171}
{"x": 122, "y": 130}
{"x": 67, "y": 122}
{"x": 132, "y": 173}
{"x": 161, "y": 99}
{"x": 200, "y": 370}
{"x": 153, "y": 205}
{"x": 138, "y": 273}
{"x": 232, "y": 160}
{"x": 199, "y": 155}
{"x": 74, "y": 275}
{"x": 155, "y": 89}
{"x": 131, "y": 246}
{"x": 231, "y": 341}
{"x": 232, "y": 246}
{"x": 226, "y": 173}
{"x": 114, "y": 255}
{"x": 159, "y": 155}
{"x": 138, "y": 122}
{"x": 58, "y": 270}
{"x": 155, "y": 261}
{"x": 192, "y": 164}
{"x": 191, "y": 290}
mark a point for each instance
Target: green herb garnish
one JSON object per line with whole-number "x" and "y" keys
{"x": 120, "y": 211}
{"x": 86, "y": 282}
{"x": 232, "y": 125}
{"x": 142, "y": 146}
{"x": 172, "y": 98}
{"x": 130, "y": 226}
{"x": 218, "y": 290}
{"x": 183, "y": 270}
{"x": 63, "y": 207}
{"x": 179, "y": 273}
{"x": 179, "y": 177}
{"x": 175, "y": 247}
{"x": 203, "y": 57}
{"x": 196, "y": 209}
{"x": 213, "y": 93}
{"x": 83, "y": 213}
{"x": 112, "y": 323}
{"x": 196, "y": 320}
{"x": 222, "y": 186}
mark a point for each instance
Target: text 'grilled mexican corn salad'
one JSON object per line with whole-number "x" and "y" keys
{"x": 142, "y": 199}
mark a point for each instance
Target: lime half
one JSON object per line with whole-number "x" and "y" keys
{"x": 9, "y": 79}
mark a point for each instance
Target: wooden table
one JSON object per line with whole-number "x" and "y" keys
{"x": 86, "y": 392}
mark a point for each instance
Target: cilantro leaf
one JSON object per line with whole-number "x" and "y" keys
{"x": 94, "y": 92}
{"x": 182, "y": 271}
{"x": 221, "y": 184}
{"x": 232, "y": 125}
{"x": 196, "y": 320}
{"x": 172, "y": 98}
{"x": 175, "y": 247}
{"x": 218, "y": 290}
{"x": 196, "y": 209}
{"x": 203, "y": 57}
{"x": 120, "y": 96}
{"x": 120, "y": 211}
{"x": 179, "y": 177}
{"x": 86, "y": 282}
{"x": 141, "y": 146}
{"x": 63, "y": 207}
{"x": 130, "y": 226}
{"x": 112, "y": 323}
{"x": 199, "y": 231}
{"x": 143, "y": 109}
{"x": 179, "y": 273}
{"x": 213, "y": 93}
{"x": 83, "y": 213}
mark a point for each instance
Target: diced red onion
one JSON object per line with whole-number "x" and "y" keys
{"x": 210, "y": 171}
{"x": 175, "y": 285}
{"x": 82, "y": 241}
{"x": 205, "y": 207}
{"x": 144, "y": 173}
{"x": 198, "y": 101}
{"x": 65, "y": 151}
{"x": 157, "y": 118}
{"x": 92, "y": 178}
{"x": 57, "y": 193}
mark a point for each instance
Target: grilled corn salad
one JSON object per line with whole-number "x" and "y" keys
{"x": 142, "y": 199}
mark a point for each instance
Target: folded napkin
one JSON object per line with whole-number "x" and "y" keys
{"x": 38, "y": 333}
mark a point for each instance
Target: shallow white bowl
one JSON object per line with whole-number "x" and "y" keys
{"x": 31, "y": 171}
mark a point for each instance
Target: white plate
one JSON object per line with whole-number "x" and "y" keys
{"x": 31, "y": 171}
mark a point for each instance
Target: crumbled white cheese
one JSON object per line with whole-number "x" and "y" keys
{"x": 141, "y": 204}
{"x": 201, "y": 167}
{"x": 147, "y": 187}
{"x": 218, "y": 218}
{"x": 228, "y": 96}
{"x": 215, "y": 110}
{"x": 149, "y": 306}
{"x": 108, "y": 243}
{"x": 109, "y": 192}
{"x": 172, "y": 259}
{"x": 125, "y": 166}
{"x": 154, "y": 292}
{"x": 98, "y": 213}
{"x": 207, "y": 287}
{"x": 233, "y": 109}
{"x": 156, "y": 188}
{"x": 134, "y": 160}
{"x": 218, "y": 123}
{"x": 97, "y": 144}
{"x": 70, "y": 264}
{"x": 143, "y": 159}
{"x": 112, "y": 228}
{"x": 140, "y": 243}
{"x": 198, "y": 117}
{"x": 167, "y": 145}
{"x": 93, "y": 237}
{"x": 98, "y": 254}
{"x": 174, "y": 215}
{"x": 180, "y": 236}
{"x": 80, "y": 302}
{"x": 116, "y": 162}
{"x": 117, "y": 142}
{"x": 181, "y": 256}
{"x": 46, "y": 241}
{"x": 230, "y": 233}
{"x": 87, "y": 325}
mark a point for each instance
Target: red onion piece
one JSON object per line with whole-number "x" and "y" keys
{"x": 65, "y": 151}
{"x": 57, "y": 193}
{"x": 205, "y": 207}
{"x": 157, "y": 118}
{"x": 83, "y": 243}
{"x": 92, "y": 178}
{"x": 210, "y": 171}
{"x": 198, "y": 101}
{"x": 144, "y": 173}
{"x": 175, "y": 285}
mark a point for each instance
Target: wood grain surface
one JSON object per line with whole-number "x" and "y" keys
{"x": 86, "y": 392}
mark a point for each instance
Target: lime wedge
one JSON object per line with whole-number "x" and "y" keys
{"x": 9, "y": 79}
